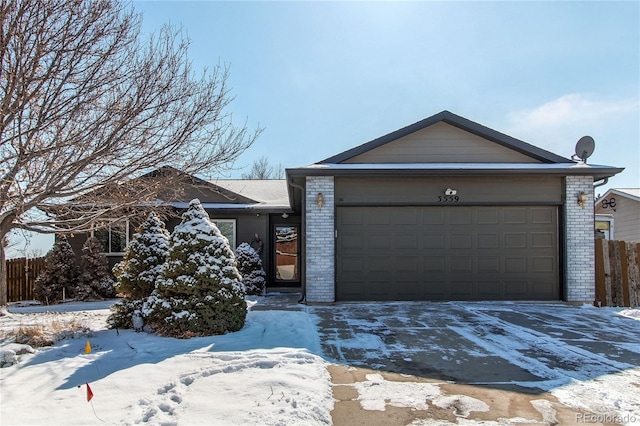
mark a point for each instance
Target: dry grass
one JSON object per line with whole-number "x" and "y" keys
{"x": 47, "y": 335}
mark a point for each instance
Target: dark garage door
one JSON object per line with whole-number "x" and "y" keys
{"x": 447, "y": 253}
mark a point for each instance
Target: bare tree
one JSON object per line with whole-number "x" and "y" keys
{"x": 87, "y": 104}
{"x": 261, "y": 169}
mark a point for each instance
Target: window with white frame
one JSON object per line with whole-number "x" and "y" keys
{"x": 113, "y": 234}
{"x": 227, "y": 228}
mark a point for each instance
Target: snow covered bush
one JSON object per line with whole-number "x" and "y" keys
{"x": 199, "y": 290}
{"x": 250, "y": 267}
{"x": 60, "y": 274}
{"x": 96, "y": 281}
{"x": 137, "y": 273}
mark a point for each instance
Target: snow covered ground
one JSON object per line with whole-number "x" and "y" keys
{"x": 272, "y": 372}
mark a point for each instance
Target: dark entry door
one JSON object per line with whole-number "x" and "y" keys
{"x": 447, "y": 253}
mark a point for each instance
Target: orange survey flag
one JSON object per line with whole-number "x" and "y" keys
{"x": 89, "y": 393}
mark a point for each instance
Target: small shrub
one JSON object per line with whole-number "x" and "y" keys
{"x": 60, "y": 274}
{"x": 250, "y": 267}
{"x": 199, "y": 290}
{"x": 136, "y": 274}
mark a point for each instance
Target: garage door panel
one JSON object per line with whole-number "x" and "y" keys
{"x": 542, "y": 264}
{"x": 460, "y": 217}
{"x": 462, "y": 290}
{"x": 461, "y": 241}
{"x": 515, "y": 240}
{"x": 542, "y": 240}
{"x": 434, "y": 264}
{"x": 488, "y": 216}
{"x": 447, "y": 253}
{"x": 515, "y": 265}
{"x": 378, "y": 264}
{"x": 406, "y": 241}
{"x": 351, "y": 264}
{"x": 353, "y": 241}
{"x": 461, "y": 264}
{"x": 541, "y": 216}
{"x": 489, "y": 264}
{"x": 352, "y": 217}
{"x": 436, "y": 290}
{"x": 515, "y": 215}
{"x": 378, "y": 241}
{"x": 409, "y": 264}
{"x": 487, "y": 241}
{"x": 515, "y": 289}
{"x": 379, "y": 217}
{"x": 489, "y": 289}
{"x": 433, "y": 240}
{"x": 432, "y": 216}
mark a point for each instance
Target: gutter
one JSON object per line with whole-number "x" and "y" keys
{"x": 303, "y": 226}
{"x": 604, "y": 182}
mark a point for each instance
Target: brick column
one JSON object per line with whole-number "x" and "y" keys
{"x": 579, "y": 237}
{"x": 320, "y": 241}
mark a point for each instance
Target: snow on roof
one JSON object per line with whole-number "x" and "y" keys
{"x": 271, "y": 193}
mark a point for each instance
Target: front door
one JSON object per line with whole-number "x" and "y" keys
{"x": 286, "y": 256}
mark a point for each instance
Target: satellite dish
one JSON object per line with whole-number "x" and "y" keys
{"x": 585, "y": 147}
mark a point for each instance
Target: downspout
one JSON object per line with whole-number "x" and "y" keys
{"x": 604, "y": 182}
{"x": 303, "y": 227}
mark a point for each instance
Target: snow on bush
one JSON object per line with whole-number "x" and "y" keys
{"x": 96, "y": 281}
{"x": 199, "y": 290}
{"x": 137, "y": 273}
{"x": 250, "y": 267}
{"x": 59, "y": 276}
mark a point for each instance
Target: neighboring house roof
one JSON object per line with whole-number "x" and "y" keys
{"x": 631, "y": 193}
{"x": 266, "y": 194}
{"x": 461, "y": 123}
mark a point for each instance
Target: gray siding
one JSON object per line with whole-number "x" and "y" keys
{"x": 470, "y": 190}
{"x": 441, "y": 143}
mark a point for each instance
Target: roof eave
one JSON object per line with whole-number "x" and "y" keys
{"x": 596, "y": 172}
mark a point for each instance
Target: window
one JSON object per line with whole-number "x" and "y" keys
{"x": 286, "y": 255}
{"x": 227, "y": 228}
{"x": 113, "y": 234}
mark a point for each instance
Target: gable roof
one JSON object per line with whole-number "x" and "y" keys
{"x": 630, "y": 193}
{"x": 461, "y": 123}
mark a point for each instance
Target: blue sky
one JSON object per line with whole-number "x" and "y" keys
{"x": 323, "y": 77}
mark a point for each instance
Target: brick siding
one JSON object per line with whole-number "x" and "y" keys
{"x": 320, "y": 250}
{"x": 579, "y": 237}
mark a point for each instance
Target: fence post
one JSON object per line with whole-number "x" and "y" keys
{"x": 633, "y": 274}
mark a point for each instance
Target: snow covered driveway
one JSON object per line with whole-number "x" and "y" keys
{"x": 587, "y": 357}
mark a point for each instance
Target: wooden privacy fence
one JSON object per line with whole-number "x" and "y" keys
{"x": 21, "y": 277}
{"x": 617, "y": 273}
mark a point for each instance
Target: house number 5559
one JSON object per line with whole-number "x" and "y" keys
{"x": 448, "y": 198}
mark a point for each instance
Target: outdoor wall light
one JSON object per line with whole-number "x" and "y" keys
{"x": 320, "y": 199}
{"x": 582, "y": 199}
{"x": 285, "y": 215}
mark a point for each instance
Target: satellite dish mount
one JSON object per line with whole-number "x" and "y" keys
{"x": 584, "y": 148}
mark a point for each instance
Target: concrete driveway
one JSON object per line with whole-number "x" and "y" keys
{"x": 495, "y": 344}
{"x": 587, "y": 356}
